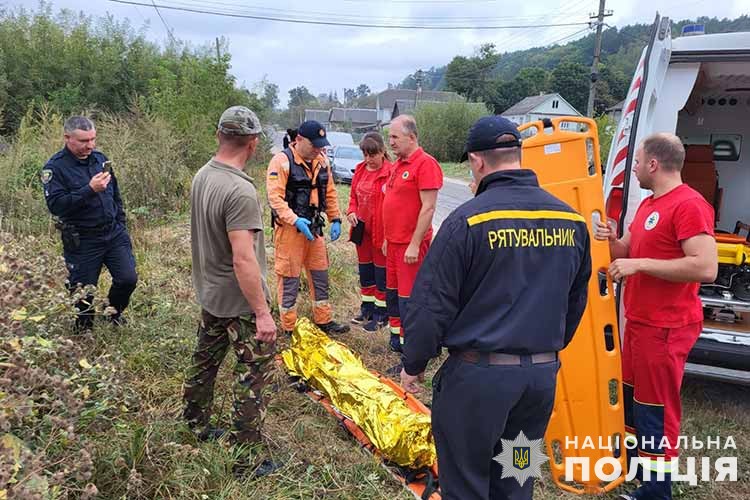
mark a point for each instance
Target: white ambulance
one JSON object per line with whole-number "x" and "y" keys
{"x": 698, "y": 87}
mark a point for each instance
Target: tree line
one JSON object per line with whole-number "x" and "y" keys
{"x": 502, "y": 79}
{"x": 74, "y": 63}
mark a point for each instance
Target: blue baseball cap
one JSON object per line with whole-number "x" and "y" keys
{"x": 315, "y": 132}
{"x": 484, "y": 133}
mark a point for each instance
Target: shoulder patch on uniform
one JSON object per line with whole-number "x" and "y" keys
{"x": 273, "y": 175}
{"x": 46, "y": 175}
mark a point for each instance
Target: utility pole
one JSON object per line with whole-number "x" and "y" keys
{"x": 418, "y": 76}
{"x": 218, "y": 51}
{"x": 597, "y": 52}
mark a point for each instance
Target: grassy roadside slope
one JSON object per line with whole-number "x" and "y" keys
{"x": 131, "y": 396}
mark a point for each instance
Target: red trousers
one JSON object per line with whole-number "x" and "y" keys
{"x": 653, "y": 363}
{"x": 399, "y": 280}
{"x": 371, "y": 271}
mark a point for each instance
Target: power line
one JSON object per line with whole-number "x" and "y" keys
{"x": 566, "y": 37}
{"x": 567, "y": 9}
{"x": 166, "y": 27}
{"x": 347, "y": 24}
{"x": 234, "y": 7}
{"x": 433, "y": 2}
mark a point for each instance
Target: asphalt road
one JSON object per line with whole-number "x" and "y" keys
{"x": 453, "y": 194}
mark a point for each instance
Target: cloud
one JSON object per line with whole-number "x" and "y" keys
{"x": 326, "y": 58}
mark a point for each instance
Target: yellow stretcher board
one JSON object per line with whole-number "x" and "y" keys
{"x": 588, "y": 413}
{"x": 735, "y": 254}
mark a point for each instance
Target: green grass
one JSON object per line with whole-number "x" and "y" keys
{"x": 145, "y": 451}
{"x": 457, "y": 170}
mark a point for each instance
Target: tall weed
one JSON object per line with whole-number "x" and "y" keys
{"x": 146, "y": 152}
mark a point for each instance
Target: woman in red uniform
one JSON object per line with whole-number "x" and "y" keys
{"x": 365, "y": 207}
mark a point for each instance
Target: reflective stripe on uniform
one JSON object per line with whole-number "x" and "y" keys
{"x": 657, "y": 464}
{"x": 524, "y": 214}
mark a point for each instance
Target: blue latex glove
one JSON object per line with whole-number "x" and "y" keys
{"x": 335, "y": 230}
{"x": 303, "y": 226}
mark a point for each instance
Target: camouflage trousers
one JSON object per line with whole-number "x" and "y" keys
{"x": 253, "y": 371}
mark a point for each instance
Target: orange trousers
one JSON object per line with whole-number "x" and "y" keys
{"x": 292, "y": 252}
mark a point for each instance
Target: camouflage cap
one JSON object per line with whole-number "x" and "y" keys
{"x": 239, "y": 120}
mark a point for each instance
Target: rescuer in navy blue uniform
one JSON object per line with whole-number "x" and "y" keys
{"x": 503, "y": 288}
{"x": 82, "y": 194}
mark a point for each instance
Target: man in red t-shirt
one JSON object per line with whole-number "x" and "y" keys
{"x": 668, "y": 251}
{"x": 408, "y": 207}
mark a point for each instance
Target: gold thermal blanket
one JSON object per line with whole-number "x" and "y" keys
{"x": 401, "y": 435}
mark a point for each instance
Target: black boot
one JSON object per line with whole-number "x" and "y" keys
{"x": 378, "y": 321}
{"x": 366, "y": 311}
{"x": 333, "y": 328}
{"x": 395, "y": 343}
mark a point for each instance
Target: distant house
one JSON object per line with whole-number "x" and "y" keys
{"x": 319, "y": 115}
{"x": 534, "y": 108}
{"x": 402, "y": 107}
{"x": 356, "y": 118}
{"x": 385, "y": 103}
{"x": 615, "y": 111}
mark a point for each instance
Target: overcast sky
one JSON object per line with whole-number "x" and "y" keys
{"x": 330, "y": 58}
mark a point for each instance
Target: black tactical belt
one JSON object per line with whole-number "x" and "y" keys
{"x": 501, "y": 358}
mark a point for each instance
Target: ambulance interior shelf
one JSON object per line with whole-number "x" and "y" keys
{"x": 726, "y": 301}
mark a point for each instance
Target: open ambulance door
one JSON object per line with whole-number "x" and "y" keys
{"x": 622, "y": 194}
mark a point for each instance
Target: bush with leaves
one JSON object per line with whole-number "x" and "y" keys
{"x": 443, "y": 127}
{"x": 51, "y": 395}
{"x": 606, "y": 126}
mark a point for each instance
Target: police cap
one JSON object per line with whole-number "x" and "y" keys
{"x": 315, "y": 132}
{"x": 484, "y": 133}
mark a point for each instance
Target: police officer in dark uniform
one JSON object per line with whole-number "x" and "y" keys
{"x": 503, "y": 288}
{"x": 82, "y": 194}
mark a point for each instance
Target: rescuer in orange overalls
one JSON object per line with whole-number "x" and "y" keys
{"x": 300, "y": 190}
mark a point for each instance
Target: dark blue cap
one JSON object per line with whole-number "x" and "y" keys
{"x": 484, "y": 133}
{"x": 315, "y": 132}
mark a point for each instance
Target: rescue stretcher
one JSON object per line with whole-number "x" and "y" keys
{"x": 588, "y": 414}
